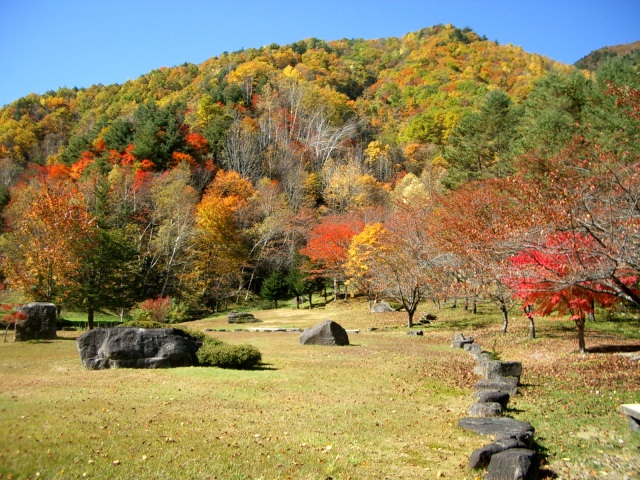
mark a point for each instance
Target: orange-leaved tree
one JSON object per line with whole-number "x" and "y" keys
{"x": 328, "y": 245}
{"x": 50, "y": 234}
{"x": 475, "y": 223}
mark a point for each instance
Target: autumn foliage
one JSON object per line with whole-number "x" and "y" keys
{"x": 433, "y": 166}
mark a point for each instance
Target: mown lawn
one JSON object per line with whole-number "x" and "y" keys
{"x": 385, "y": 407}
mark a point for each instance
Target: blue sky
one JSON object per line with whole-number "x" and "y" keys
{"x": 47, "y": 44}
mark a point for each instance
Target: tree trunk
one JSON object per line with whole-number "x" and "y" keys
{"x": 298, "y": 301}
{"x": 410, "y": 317}
{"x": 580, "y": 324}
{"x": 474, "y": 306}
{"x": 90, "y": 317}
{"x": 591, "y": 316}
{"x": 532, "y": 328}
{"x": 335, "y": 288}
{"x": 505, "y": 317}
{"x": 310, "y": 300}
{"x": 276, "y": 302}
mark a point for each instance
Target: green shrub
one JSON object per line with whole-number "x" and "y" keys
{"x": 224, "y": 355}
{"x": 142, "y": 323}
{"x": 140, "y": 316}
{"x": 178, "y": 312}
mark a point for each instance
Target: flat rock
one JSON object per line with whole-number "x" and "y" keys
{"x": 513, "y": 464}
{"x": 325, "y": 333}
{"x": 242, "y": 317}
{"x": 500, "y": 427}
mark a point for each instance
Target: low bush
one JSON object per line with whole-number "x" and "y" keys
{"x": 219, "y": 354}
{"x": 143, "y": 324}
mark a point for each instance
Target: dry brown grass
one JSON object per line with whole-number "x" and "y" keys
{"x": 385, "y": 407}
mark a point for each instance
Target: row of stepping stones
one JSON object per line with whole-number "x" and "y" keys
{"x": 510, "y": 456}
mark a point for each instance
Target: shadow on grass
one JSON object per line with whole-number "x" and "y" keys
{"x": 264, "y": 367}
{"x": 528, "y": 385}
{"x": 614, "y": 349}
{"x": 511, "y": 410}
{"x": 543, "y": 455}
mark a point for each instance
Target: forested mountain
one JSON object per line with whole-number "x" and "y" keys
{"x": 594, "y": 59}
{"x": 200, "y": 181}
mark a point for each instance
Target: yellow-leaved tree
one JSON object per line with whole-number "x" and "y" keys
{"x": 219, "y": 250}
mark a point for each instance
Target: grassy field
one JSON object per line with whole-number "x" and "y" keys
{"x": 385, "y": 407}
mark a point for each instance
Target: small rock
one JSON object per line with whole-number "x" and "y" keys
{"x": 472, "y": 348}
{"x": 508, "y": 385}
{"x": 490, "y": 396}
{"x": 459, "y": 341}
{"x": 513, "y": 464}
{"x": 415, "y": 332}
{"x": 485, "y": 409}
{"x": 496, "y": 369}
{"x": 481, "y": 457}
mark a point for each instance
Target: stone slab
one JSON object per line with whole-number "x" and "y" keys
{"x": 500, "y": 427}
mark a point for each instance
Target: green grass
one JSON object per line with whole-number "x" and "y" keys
{"x": 385, "y": 407}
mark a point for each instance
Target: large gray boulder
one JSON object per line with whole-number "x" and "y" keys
{"x": 131, "y": 347}
{"x": 40, "y": 322}
{"x": 381, "y": 307}
{"x": 325, "y": 333}
{"x": 490, "y": 396}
